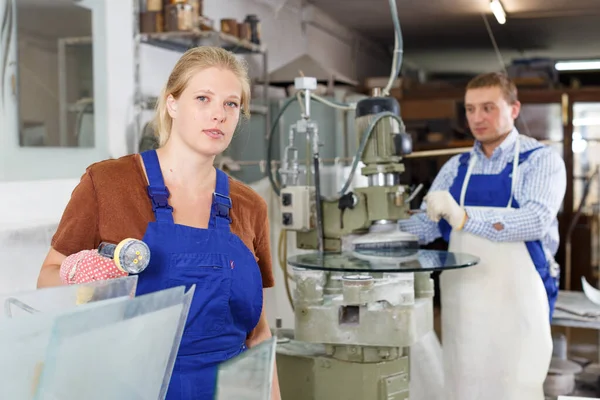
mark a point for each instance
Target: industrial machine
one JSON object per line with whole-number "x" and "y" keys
{"x": 364, "y": 295}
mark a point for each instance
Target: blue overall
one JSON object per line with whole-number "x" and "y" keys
{"x": 227, "y": 302}
{"x": 495, "y": 191}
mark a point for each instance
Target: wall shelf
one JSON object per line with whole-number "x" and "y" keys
{"x": 181, "y": 41}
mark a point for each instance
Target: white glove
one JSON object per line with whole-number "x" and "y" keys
{"x": 441, "y": 204}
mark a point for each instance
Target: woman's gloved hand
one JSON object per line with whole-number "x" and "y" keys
{"x": 88, "y": 266}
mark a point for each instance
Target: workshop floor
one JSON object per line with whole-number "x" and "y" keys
{"x": 582, "y": 348}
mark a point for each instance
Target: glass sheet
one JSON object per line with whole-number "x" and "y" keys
{"x": 61, "y": 298}
{"x": 23, "y": 346}
{"x": 248, "y": 376}
{"x": 187, "y": 301}
{"x": 117, "y": 351}
{"x": 423, "y": 260}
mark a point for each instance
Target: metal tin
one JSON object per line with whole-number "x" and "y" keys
{"x": 154, "y": 5}
{"x": 244, "y": 32}
{"x": 179, "y": 17}
{"x": 152, "y": 21}
{"x": 229, "y": 26}
{"x": 196, "y": 7}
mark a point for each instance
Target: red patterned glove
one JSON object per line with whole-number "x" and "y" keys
{"x": 88, "y": 266}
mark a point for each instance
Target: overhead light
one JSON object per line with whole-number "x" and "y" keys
{"x": 498, "y": 11}
{"x": 581, "y": 65}
{"x": 579, "y": 144}
{"x": 589, "y": 121}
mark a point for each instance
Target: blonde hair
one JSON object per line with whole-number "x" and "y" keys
{"x": 192, "y": 61}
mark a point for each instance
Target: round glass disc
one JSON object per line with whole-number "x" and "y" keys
{"x": 418, "y": 261}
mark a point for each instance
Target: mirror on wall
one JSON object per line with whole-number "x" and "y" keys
{"x": 55, "y": 74}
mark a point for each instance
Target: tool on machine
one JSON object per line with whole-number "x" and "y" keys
{"x": 390, "y": 244}
{"x": 130, "y": 255}
{"x": 322, "y": 223}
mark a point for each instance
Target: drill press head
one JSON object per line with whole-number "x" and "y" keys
{"x": 380, "y": 204}
{"x": 387, "y": 142}
{"x": 382, "y": 155}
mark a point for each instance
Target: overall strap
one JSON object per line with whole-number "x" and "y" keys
{"x": 515, "y": 173}
{"x": 525, "y": 155}
{"x": 221, "y": 206}
{"x": 157, "y": 191}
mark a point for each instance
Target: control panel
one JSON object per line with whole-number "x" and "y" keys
{"x": 298, "y": 208}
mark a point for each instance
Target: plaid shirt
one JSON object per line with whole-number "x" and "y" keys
{"x": 540, "y": 191}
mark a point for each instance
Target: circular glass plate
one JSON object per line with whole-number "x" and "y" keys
{"x": 421, "y": 260}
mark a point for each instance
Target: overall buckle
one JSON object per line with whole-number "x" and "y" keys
{"x": 223, "y": 205}
{"x": 159, "y": 197}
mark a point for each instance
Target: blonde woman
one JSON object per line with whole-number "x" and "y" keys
{"x": 202, "y": 227}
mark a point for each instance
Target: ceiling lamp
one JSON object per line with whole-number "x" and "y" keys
{"x": 578, "y": 65}
{"x": 498, "y": 11}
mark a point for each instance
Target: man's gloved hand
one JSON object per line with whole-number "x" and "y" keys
{"x": 441, "y": 204}
{"x": 88, "y": 266}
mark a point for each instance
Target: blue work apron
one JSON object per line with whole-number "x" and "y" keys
{"x": 495, "y": 191}
{"x": 228, "y": 299}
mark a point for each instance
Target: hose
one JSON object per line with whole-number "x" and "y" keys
{"x": 398, "y": 48}
{"x": 334, "y": 104}
{"x": 282, "y": 256}
{"x": 274, "y": 184}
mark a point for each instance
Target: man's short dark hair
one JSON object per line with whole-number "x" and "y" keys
{"x": 496, "y": 79}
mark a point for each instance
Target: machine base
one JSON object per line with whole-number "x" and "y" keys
{"x": 306, "y": 372}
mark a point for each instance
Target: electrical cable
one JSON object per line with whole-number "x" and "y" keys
{"x": 397, "y": 57}
{"x": 282, "y": 258}
{"x": 274, "y": 184}
{"x": 502, "y": 63}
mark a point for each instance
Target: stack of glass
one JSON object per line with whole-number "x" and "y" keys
{"x": 90, "y": 341}
{"x": 248, "y": 376}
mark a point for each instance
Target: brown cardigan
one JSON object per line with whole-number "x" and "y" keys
{"x": 111, "y": 203}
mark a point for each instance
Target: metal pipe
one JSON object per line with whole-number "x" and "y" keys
{"x": 77, "y": 40}
{"x": 62, "y": 93}
{"x": 307, "y": 104}
{"x": 316, "y": 161}
{"x": 384, "y": 179}
{"x": 416, "y": 154}
{"x": 266, "y": 93}
{"x": 320, "y": 232}
{"x": 571, "y": 229}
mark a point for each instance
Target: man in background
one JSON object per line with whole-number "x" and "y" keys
{"x": 498, "y": 202}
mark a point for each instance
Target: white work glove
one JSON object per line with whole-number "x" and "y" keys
{"x": 441, "y": 204}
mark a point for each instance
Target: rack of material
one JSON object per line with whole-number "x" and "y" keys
{"x": 154, "y": 27}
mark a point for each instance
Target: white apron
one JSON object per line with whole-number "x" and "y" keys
{"x": 496, "y": 335}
